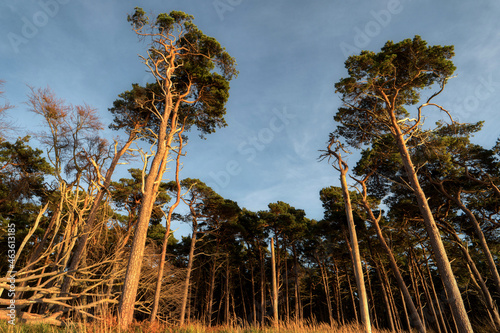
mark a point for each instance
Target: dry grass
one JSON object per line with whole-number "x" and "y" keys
{"x": 110, "y": 326}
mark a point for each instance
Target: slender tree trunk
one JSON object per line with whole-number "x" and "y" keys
{"x": 163, "y": 254}
{"x": 428, "y": 297}
{"x": 442, "y": 261}
{"x": 298, "y": 307}
{"x": 275, "y": 286}
{"x": 188, "y": 273}
{"x": 414, "y": 282}
{"x": 358, "y": 270}
{"x": 374, "y": 311}
{"x": 438, "y": 306}
{"x": 287, "y": 297}
{"x": 407, "y": 317}
{"x": 386, "y": 298}
{"x": 338, "y": 295}
{"x": 227, "y": 314}
{"x": 415, "y": 318}
{"x": 89, "y": 225}
{"x": 478, "y": 231}
{"x": 485, "y": 293}
{"x": 326, "y": 287}
{"x": 211, "y": 288}
{"x": 262, "y": 289}
{"x": 243, "y": 302}
{"x": 392, "y": 303}
{"x": 351, "y": 292}
{"x": 254, "y": 301}
{"x": 152, "y": 183}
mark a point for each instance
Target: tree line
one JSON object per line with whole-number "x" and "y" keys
{"x": 408, "y": 240}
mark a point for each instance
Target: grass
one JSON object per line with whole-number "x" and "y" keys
{"x": 145, "y": 327}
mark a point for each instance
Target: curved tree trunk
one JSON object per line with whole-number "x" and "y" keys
{"x": 442, "y": 261}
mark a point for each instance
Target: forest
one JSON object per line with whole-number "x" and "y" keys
{"x": 409, "y": 241}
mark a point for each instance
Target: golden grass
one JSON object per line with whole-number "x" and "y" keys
{"x": 110, "y": 326}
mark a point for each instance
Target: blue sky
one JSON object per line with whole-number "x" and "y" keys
{"x": 281, "y": 106}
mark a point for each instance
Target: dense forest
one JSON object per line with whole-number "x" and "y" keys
{"x": 409, "y": 240}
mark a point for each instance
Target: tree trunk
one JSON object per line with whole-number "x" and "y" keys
{"x": 163, "y": 254}
{"x": 211, "y": 288}
{"x": 386, "y": 298}
{"x": 227, "y": 314}
{"x": 358, "y": 270}
{"x": 438, "y": 306}
{"x": 254, "y": 301}
{"x": 287, "y": 298}
{"x": 188, "y": 273}
{"x": 298, "y": 307}
{"x": 275, "y": 287}
{"x": 89, "y": 225}
{"x": 152, "y": 183}
{"x": 485, "y": 293}
{"x": 442, "y": 262}
{"x": 326, "y": 287}
{"x": 428, "y": 297}
{"x": 415, "y": 318}
{"x": 479, "y": 233}
{"x": 374, "y": 310}
{"x": 262, "y": 289}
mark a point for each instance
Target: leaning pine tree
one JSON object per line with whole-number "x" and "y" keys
{"x": 375, "y": 94}
{"x": 192, "y": 73}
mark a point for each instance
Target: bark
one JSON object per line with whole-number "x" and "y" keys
{"x": 442, "y": 261}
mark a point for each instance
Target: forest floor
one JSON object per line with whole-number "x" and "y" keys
{"x": 190, "y": 328}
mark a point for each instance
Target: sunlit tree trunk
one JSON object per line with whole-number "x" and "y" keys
{"x": 163, "y": 253}
{"x": 442, "y": 261}
{"x": 358, "y": 269}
